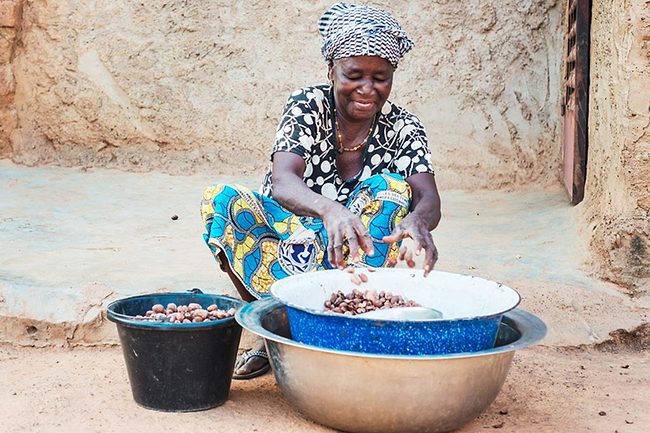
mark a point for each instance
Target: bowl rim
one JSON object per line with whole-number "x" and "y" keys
{"x": 531, "y": 327}
{"x": 275, "y": 285}
{"x": 132, "y": 322}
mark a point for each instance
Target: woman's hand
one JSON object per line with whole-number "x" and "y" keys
{"x": 341, "y": 224}
{"x": 417, "y": 228}
{"x": 290, "y": 191}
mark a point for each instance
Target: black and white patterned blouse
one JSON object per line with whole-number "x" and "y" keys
{"x": 398, "y": 143}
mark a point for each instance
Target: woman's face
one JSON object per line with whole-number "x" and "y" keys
{"x": 361, "y": 85}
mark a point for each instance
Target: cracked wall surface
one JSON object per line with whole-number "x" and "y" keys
{"x": 10, "y": 23}
{"x": 617, "y": 191}
{"x": 198, "y": 86}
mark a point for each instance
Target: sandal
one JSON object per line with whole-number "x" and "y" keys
{"x": 246, "y": 356}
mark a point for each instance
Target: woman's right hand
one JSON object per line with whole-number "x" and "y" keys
{"x": 341, "y": 224}
{"x": 292, "y": 193}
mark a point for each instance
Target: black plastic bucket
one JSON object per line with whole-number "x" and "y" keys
{"x": 177, "y": 367}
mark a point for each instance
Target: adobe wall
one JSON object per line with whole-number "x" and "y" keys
{"x": 617, "y": 191}
{"x": 10, "y": 22}
{"x": 186, "y": 86}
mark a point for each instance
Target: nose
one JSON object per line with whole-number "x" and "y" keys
{"x": 365, "y": 87}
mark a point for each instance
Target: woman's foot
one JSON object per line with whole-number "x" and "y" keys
{"x": 253, "y": 363}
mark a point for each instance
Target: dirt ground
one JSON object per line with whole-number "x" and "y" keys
{"x": 547, "y": 390}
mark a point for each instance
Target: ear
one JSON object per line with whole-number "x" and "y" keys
{"x": 330, "y": 72}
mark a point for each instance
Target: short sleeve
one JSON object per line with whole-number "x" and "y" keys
{"x": 297, "y": 127}
{"x": 413, "y": 155}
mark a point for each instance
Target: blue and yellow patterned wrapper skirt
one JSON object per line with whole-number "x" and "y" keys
{"x": 264, "y": 242}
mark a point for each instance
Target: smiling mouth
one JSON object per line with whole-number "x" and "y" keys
{"x": 364, "y": 105}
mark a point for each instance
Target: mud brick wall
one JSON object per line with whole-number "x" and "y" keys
{"x": 10, "y": 19}
{"x": 617, "y": 191}
{"x": 198, "y": 86}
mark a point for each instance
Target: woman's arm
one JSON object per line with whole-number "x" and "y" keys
{"x": 290, "y": 191}
{"x": 426, "y": 200}
{"x": 424, "y": 217}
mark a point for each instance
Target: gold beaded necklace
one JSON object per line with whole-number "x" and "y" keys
{"x": 342, "y": 149}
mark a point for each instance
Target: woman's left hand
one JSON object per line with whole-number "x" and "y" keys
{"x": 417, "y": 228}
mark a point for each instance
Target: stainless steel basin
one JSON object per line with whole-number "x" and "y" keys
{"x": 360, "y": 392}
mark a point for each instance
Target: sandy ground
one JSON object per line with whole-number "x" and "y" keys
{"x": 548, "y": 390}
{"x": 74, "y": 240}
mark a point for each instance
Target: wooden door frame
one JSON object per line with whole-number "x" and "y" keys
{"x": 575, "y": 112}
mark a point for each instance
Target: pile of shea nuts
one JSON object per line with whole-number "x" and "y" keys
{"x": 191, "y": 313}
{"x": 359, "y": 302}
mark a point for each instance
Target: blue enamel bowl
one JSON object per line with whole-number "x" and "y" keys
{"x": 471, "y": 307}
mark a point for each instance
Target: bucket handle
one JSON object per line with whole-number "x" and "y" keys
{"x": 195, "y": 290}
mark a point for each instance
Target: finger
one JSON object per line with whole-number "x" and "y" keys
{"x": 409, "y": 259}
{"x": 435, "y": 258}
{"x": 423, "y": 241}
{"x": 338, "y": 256}
{"x": 353, "y": 243}
{"x": 365, "y": 240}
{"x": 430, "y": 258}
{"x": 421, "y": 245}
{"x": 334, "y": 239}
{"x": 402, "y": 252}
{"x": 330, "y": 249}
{"x": 396, "y": 235}
{"x": 428, "y": 261}
{"x": 338, "y": 250}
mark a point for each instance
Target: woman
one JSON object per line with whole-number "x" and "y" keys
{"x": 350, "y": 177}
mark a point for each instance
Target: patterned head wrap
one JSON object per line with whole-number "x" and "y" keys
{"x": 358, "y": 30}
